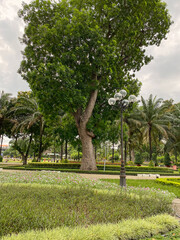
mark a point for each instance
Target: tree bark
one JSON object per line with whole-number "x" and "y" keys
{"x": 40, "y": 140}
{"x": 62, "y": 151}
{"x": 1, "y": 139}
{"x": 66, "y": 149}
{"x": 81, "y": 118}
{"x": 150, "y": 144}
{"x": 113, "y": 152}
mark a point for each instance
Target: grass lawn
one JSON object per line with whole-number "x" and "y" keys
{"x": 148, "y": 184}
{"x": 172, "y": 235}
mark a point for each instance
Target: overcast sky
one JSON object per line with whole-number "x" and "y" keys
{"x": 161, "y": 77}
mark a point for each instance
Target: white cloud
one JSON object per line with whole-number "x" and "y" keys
{"x": 162, "y": 76}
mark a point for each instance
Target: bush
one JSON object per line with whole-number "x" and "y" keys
{"x": 170, "y": 181}
{"x": 151, "y": 164}
{"x": 116, "y": 157}
{"x": 167, "y": 160}
{"x": 75, "y": 155}
{"x": 160, "y": 159}
{"x": 138, "y": 159}
{"x": 1, "y": 158}
{"x": 130, "y": 163}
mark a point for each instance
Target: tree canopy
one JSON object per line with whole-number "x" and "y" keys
{"x": 78, "y": 50}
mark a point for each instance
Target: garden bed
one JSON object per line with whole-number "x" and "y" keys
{"x": 47, "y": 200}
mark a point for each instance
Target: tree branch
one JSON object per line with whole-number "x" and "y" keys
{"x": 89, "y": 109}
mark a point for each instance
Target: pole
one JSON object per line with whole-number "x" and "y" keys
{"x": 122, "y": 171}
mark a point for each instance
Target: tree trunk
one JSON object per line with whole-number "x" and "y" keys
{"x": 24, "y": 159}
{"x": 62, "y": 151}
{"x": 54, "y": 152}
{"x": 81, "y": 118}
{"x": 66, "y": 149}
{"x": 1, "y": 144}
{"x": 130, "y": 159}
{"x": 88, "y": 159}
{"x": 40, "y": 140}
{"x": 95, "y": 151}
{"x": 150, "y": 144}
{"x": 113, "y": 152}
{"x": 132, "y": 155}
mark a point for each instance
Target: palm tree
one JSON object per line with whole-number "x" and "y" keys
{"x": 30, "y": 119}
{"x": 4, "y": 102}
{"x": 173, "y": 143}
{"x": 152, "y": 118}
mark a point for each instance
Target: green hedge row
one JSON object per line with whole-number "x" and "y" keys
{"x": 170, "y": 181}
{"x": 128, "y": 229}
{"x": 100, "y": 167}
{"x": 89, "y": 172}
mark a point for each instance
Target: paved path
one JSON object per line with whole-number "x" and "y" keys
{"x": 104, "y": 176}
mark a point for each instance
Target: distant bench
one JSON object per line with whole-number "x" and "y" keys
{"x": 149, "y": 175}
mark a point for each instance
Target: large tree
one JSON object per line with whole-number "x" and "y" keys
{"x": 78, "y": 50}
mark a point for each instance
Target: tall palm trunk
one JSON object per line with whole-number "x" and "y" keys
{"x": 40, "y": 140}
{"x": 150, "y": 144}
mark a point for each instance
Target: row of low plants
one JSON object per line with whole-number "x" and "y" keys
{"x": 134, "y": 173}
{"x": 100, "y": 167}
{"x": 170, "y": 181}
{"x": 125, "y": 230}
{"x": 54, "y": 199}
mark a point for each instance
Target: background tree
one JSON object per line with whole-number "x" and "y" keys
{"x": 79, "y": 50}
{"x": 152, "y": 119}
{"x": 4, "y": 120}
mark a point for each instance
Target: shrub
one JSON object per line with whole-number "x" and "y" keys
{"x": 167, "y": 160}
{"x": 169, "y": 181}
{"x": 138, "y": 159}
{"x": 151, "y": 164}
{"x": 1, "y": 158}
{"x": 130, "y": 163}
{"x": 75, "y": 155}
{"x": 64, "y": 161}
{"x": 129, "y": 229}
{"x": 116, "y": 157}
{"x": 160, "y": 159}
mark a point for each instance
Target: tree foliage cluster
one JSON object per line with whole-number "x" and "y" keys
{"x": 79, "y": 52}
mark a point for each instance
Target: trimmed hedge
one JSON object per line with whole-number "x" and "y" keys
{"x": 129, "y": 229}
{"x": 170, "y": 181}
{"x": 89, "y": 172}
{"x": 100, "y": 167}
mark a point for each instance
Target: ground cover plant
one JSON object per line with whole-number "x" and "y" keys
{"x": 125, "y": 230}
{"x": 149, "y": 184}
{"x": 170, "y": 181}
{"x": 39, "y": 200}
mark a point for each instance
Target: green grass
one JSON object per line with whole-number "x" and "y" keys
{"x": 148, "y": 184}
{"x": 172, "y": 235}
